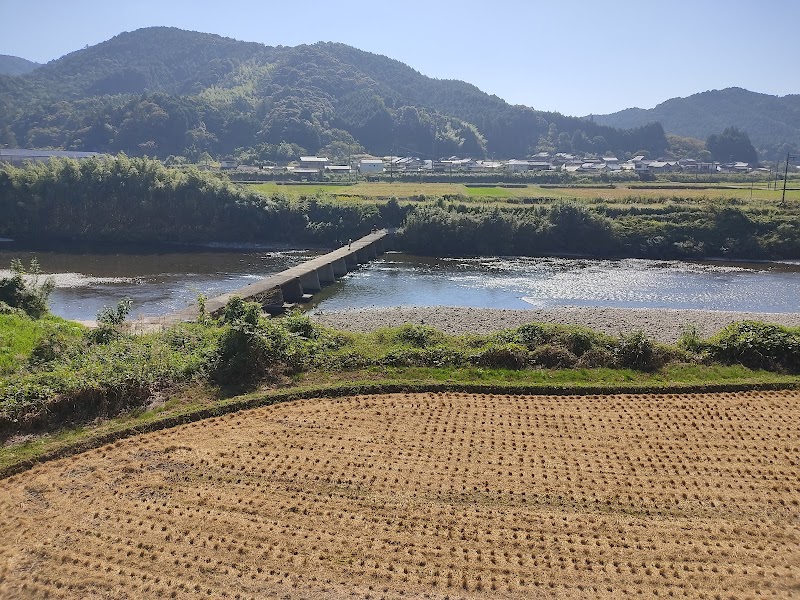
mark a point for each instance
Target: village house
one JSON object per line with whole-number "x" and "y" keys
{"x": 406, "y": 163}
{"x": 317, "y": 163}
{"x": 370, "y": 166}
{"x": 228, "y": 163}
{"x": 517, "y": 166}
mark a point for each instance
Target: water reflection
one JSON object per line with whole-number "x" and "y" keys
{"x": 500, "y": 282}
{"x": 167, "y": 280}
{"x": 158, "y": 282}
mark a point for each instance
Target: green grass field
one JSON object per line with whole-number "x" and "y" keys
{"x": 19, "y": 336}
{"x": 405, "y": 191}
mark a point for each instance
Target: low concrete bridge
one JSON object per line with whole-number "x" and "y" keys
{"x": 293, "y": 285}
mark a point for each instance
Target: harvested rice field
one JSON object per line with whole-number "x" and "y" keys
{"x": 445, "y": 495}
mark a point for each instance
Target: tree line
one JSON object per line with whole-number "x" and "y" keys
{"x": 668, "y": 232}
{"x": 126, "y": 199}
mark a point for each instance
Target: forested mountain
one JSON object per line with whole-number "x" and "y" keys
{"x": 163, "y": 91}
{"x": 14, "y": 65}
{"x": 771, "y": 122}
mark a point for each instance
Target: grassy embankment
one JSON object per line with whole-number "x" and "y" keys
{"x": 62, "y": 386}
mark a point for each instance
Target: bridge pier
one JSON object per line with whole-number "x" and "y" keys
{"x": 326, "y": 274}
{"x": 292, "y": 290}
{"x": 310, "y": 282}
{"x": 371, "y": 251}
{"x": 339, "y": 267}
{"x": 352, "y": 261}
{"x": 271, "y": 300}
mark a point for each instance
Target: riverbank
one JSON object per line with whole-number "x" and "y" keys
{"x": 663, "y": 325}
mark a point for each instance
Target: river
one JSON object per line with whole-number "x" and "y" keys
{"x": 158, "y": 281}
{"x": 169, "y": 279}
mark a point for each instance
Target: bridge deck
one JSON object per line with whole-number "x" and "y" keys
{"x": 290, "y": 276}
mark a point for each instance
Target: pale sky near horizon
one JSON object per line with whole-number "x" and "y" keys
{"x": 575, "y": 57}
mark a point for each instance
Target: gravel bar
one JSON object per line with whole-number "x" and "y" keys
{"x": 662, "y": 324}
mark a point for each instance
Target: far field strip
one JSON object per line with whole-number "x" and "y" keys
{"x": 655, "y": 191}
{"x": 454, "y": 494}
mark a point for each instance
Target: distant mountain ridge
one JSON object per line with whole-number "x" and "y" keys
{"x": 164, "y": 91}
{"x": 14, "y": 65}
{"x": 772, "y": 122}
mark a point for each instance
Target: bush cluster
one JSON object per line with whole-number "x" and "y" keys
{"x": 71, "y": 374}
{"x": 25, "y": 290}
{"x": 757, "y": 346}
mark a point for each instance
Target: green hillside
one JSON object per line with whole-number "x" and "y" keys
{"x": 14, "y": 65}
{"x": 163, "y": 91}
{"x": 772, "y": 122}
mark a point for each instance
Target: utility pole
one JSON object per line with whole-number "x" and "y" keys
{"x": 785, "y": 177}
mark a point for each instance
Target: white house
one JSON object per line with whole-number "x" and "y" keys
{"x": 406, "y": 163}
{"x": 228, "y": 163}
{"x": 517, "y": 166}
{"x": 370, "y": 165}
{"x": 313, "y": 162}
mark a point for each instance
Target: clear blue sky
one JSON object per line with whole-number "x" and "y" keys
{"x": 576, "y": 57}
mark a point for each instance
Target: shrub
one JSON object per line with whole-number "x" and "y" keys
{"x": 575, "y": 339}
{"x": 553, "y": 357}
{"x": 579, "y": 340}
{"x": 402, "y": 358}
{"x": 595, "y": 358}
{"x": 238, "y": 310}
{"x": 56, "y": 344}
{"x": 25, "y": 290}
{"x": 503, "y": 356}
{"x": 443, "y": 357}
{"x": 346, "y": 360}
{"x": 420, "y": 336}
{"x": 109, "y": 321}
{"x": 6, "y": 309}
{"x": 690, "y": 340}
{"x": 637, "y": 351}
{"x": 299, "y": 324}
{"x": 437, "y": 356}
{"x": 250, "y": 348}
{"x": 533, "y": 335}
{"x": 758, "y": 346}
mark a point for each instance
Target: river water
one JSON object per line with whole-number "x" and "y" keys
{"x": 158, "y": 281}
{"x": 166, "y": 280}
{"x": 517, "y": 282}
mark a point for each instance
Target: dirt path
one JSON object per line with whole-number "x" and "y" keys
{"x": 435, "y": 495}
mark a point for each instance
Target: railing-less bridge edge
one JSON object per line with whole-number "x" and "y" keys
{"x": 293, "y": 285}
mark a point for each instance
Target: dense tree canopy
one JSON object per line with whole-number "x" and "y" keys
{"x": 731, "y": 145}
{"x": 161, "y": 92}
{"x": 772, "y": 122}
{"x": 126, "y": 199}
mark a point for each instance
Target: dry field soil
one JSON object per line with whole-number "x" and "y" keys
{"x": 425, "y": 495}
